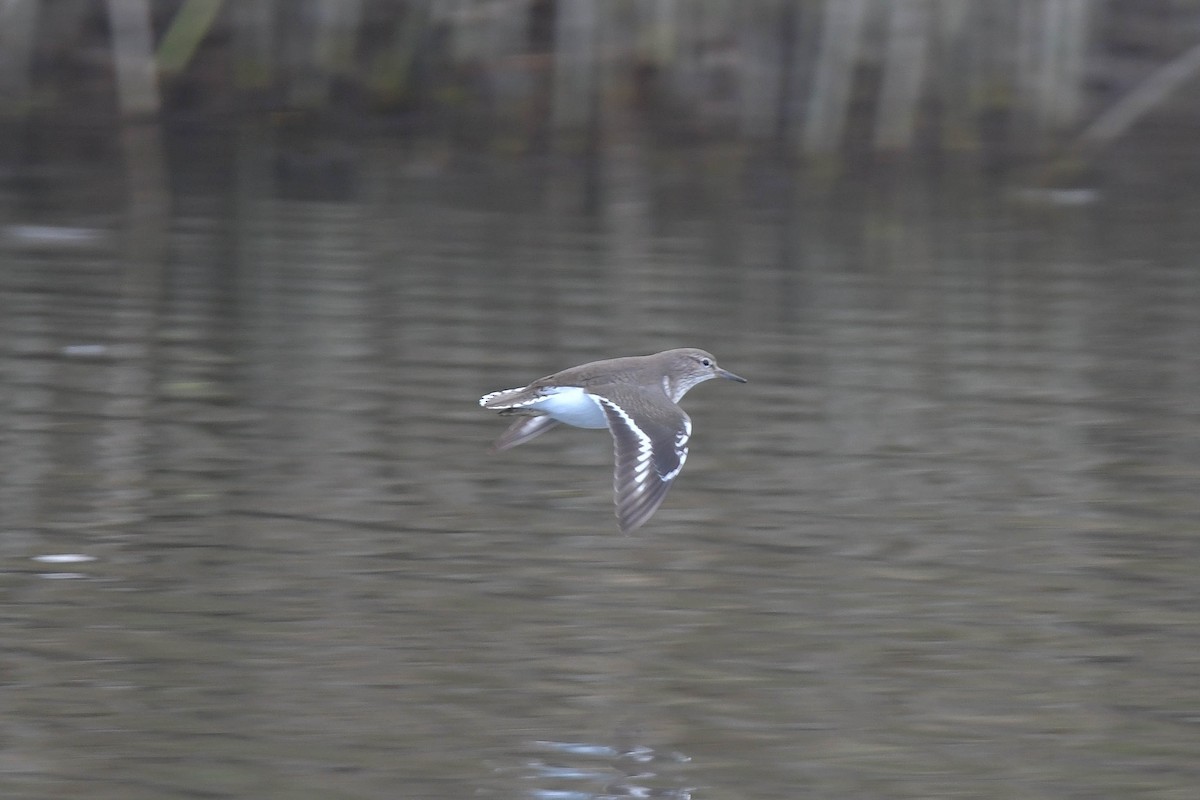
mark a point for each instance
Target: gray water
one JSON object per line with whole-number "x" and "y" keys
{"x": 943, "y": 544}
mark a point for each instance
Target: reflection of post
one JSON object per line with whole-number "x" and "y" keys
{"x": 624, "y": 175}
{"x": 133, "y": 54}
{"x": 125, "y": 445}
{"x": 26, "y": 459}
{"x": 903, "y": 74}
{"x": 628, "y": 220}
{"x": 149, "y": 207}
{"x": 841, "y": 40}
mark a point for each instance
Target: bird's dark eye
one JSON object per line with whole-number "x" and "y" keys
{"x": 706, "y": 362}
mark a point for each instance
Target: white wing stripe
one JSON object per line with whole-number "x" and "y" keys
{"x": 483, "y": 401}
{"x": 641, "y": 469}
{"x": 681, "y": 440}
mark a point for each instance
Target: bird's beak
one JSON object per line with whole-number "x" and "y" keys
{"x": 729, "y": 376}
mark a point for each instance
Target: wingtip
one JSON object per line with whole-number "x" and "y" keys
{"x": 627, "y": 528}
{"x": 637, "y": 511}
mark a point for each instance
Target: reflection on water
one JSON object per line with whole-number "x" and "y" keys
{"x": 603, "y": 772}
{"x": 942, "y": 544}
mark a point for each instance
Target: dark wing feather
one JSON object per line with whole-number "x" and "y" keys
{"x": 649, "y": 452}
{"x": 522, "y": 431}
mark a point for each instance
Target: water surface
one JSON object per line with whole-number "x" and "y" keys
{"x": 943, "y": 544}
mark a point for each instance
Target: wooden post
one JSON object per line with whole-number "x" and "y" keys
{"x": 1072, "y": 54}
{"x": 903, "y": 76}
{"x": 841, "y": 43}
{"x": 133, "y": 54}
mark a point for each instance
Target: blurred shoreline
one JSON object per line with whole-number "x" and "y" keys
{"x": 835, "y": 79}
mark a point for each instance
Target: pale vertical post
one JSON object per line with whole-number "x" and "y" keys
{"x": 904, "y": 74}
{"x": 1076, "y": 23}
{"x": 1046, "y": 75}
{"x": 663, "y": 19}
{"x": 133, "y": 53}
{"x": 841, "y": 43}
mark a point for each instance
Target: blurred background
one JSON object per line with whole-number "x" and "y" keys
{"x": 259, "y": 259}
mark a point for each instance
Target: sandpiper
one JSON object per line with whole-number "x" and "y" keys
{"x": 636, "y": 398}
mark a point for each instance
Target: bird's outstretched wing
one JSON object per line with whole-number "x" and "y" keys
{"x": 651, "y": 447}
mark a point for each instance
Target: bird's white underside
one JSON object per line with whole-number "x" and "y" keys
{"x": 570, "y": 405}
